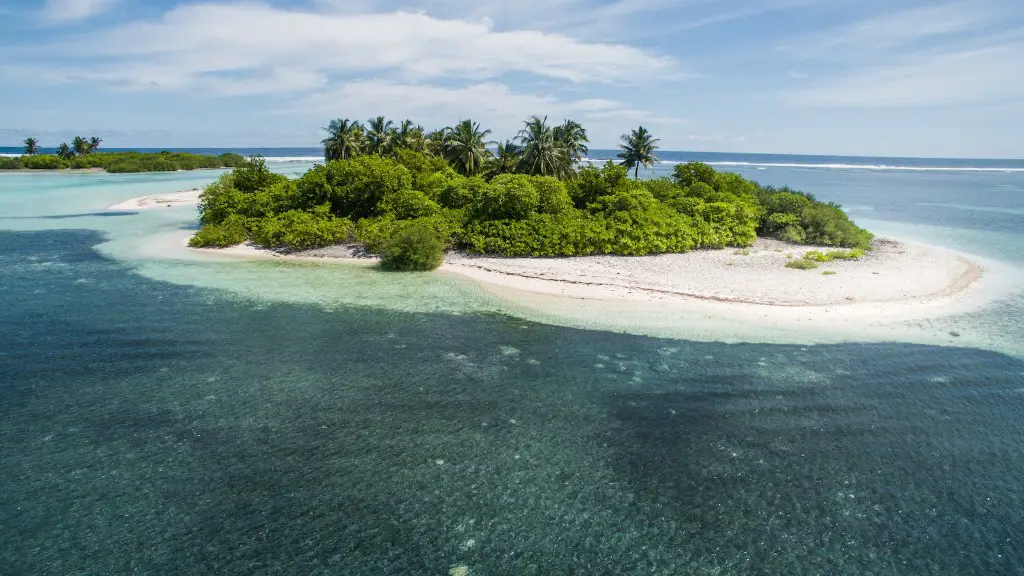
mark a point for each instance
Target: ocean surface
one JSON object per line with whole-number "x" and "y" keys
{"x": 163, "y": 412}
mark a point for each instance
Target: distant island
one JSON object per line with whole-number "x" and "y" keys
{"x": 410, "y": 195}
{"x": 84, "y": 154}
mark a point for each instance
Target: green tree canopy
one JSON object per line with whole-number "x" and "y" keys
{"x": 31, "y": 146}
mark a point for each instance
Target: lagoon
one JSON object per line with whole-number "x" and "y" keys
{"x": 177, "y": 414}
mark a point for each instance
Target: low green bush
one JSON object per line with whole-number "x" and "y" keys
{"x": 461, "y": 192}
{"x": 797, "y": 217}
{"x": 802, "y": 264}
{"x": 230, "y": 232}
{"x": 254, "y": 175}
{"x": 298, "y": 230}
{"x": 691, "y": 173}
{"x": 552, "y": 197}
{"x": 407, "y": 204}
{"x": 509, "y": 197}
{"x": 828, "y": 225}
{"x": 831, "y": 255}
{"x": 44, "y": 162}
{"x": 415, "y": 248}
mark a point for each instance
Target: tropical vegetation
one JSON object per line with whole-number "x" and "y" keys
{"x": 408, "y": 195}
{"x": 84, "y": 153}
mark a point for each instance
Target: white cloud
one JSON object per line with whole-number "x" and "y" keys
{"x": 71, "y": 10}
{"x": 210, "y": 44}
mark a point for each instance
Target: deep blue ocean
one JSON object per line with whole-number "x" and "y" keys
{"x": 162, "y": 413}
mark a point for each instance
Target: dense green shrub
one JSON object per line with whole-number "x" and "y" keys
{"x": 414, "y": 248}
{"x": 374, "y": 233}
{"x": 663, "y": 189}
{"x": 229, "y": 232}
{"x": 509, "y": 197}
{"x": 407, "y": 204}
{"x": 799, "y": 218}
{"x": 828, "y": 225}
{"x": 7, "y": 163}
{"x": 396, "y": 202}
{"x": 44, "y": 162}
{"x": 298, "y": 230}
{"x": 691, "y": 173}
{"x": 254, "y": 175}
{"x": 220, "y": 200}
{"x": 462, "y": 192}
{"x": 591, "y": 183}
{"x": 786, "y": 203}
{"x": 361, "y": 183}
{"x": 571, "y": 233}
{"x": 552, "y": 197}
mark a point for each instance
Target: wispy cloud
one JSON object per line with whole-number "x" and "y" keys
{"x": 900, "y": 29}
{"x": 58, "y": 11}
{"x": 940, "y": 54}
{"x": 977, "y": 75}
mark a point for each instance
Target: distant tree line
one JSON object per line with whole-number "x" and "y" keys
{"x": 84, "y": 153}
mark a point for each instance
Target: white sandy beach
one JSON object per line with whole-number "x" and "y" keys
{"x": 893, "y": 273}
{"x": 182, "y": 198}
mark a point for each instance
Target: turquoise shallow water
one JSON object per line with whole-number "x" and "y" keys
{"x": 151, "y": 426}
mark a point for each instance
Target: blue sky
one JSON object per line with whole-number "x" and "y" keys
{"x": 865, "y": 77}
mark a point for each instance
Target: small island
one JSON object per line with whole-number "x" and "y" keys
{"x": 83, "y": 154}
{"x": 409, "y": 196}
{"x": 533, "y": 216}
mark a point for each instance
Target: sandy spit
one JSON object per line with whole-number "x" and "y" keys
{"x": 183, "y": 198}
{"x": 894, "y": 272}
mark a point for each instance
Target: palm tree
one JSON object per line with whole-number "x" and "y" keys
{"x": 94, "y": 144}
{"x": 409, "y": 136}
{"x": 31, "y": 146}
{"x": 344, "y": 139}
{"x": 506, "y": 159}
{"x": 465, "y": 149}
{"x": 434, "y": 141}
{"x": 379, "y": 135}
{"x": 573, "y": 137}
{"x": 543, "y": 155}
{"x": 80, "y": 145}
{"x": 65, "y": 151}
{"x": 638, "y": 148}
